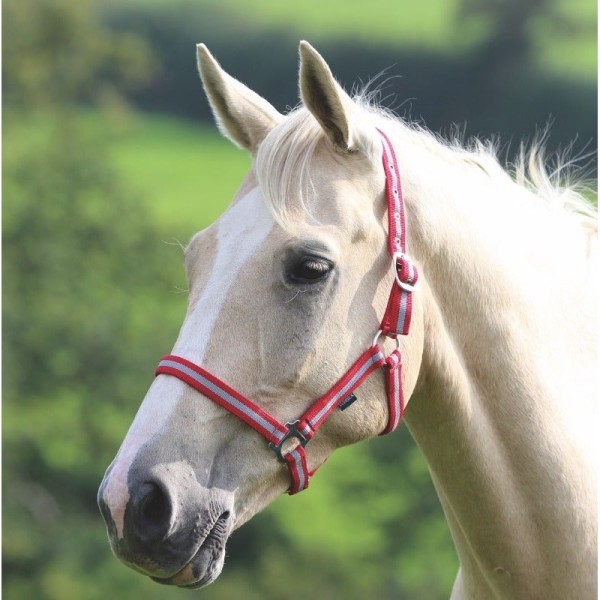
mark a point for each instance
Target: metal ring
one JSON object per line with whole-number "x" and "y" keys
{"x": 378, "y": 334}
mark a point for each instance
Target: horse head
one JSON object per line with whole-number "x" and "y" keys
{"x": 286, "y": 290}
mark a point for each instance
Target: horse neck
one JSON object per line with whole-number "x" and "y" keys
{"x": 502, "y": 409}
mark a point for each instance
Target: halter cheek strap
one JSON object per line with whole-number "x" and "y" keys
{"x": 289, "y": 440}
{"x": 396, "y": 319}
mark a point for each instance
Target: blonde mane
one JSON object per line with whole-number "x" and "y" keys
{"x": 283, "y": 160}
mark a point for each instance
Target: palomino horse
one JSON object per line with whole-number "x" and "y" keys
{"x": 287, "y": 291}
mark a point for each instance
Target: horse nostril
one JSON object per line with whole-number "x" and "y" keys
{"x": 152, "y": 512}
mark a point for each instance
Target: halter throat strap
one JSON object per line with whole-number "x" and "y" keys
{"x": 289, "y": 440}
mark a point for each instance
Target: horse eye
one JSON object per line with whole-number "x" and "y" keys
{"x": 309, "y": 269}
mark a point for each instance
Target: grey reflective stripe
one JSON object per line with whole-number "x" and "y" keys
{"x": 396, "y": 392}
{"x": 305, "y": 429}
{"x": 343, "y": 392}
{"x": 402, "y": 311}
{"x": 227, "y": 398}
{"x": 302, "y": 475}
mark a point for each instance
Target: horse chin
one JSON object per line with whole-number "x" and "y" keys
{"x": 199, "y": 572}
{"x": 206, "y": 564}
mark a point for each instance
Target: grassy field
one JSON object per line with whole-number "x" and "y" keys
{"x": 565, "y": 41}
{"x": 187, "y": 172}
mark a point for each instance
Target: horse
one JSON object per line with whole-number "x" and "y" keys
{"x": 486, "y": 341}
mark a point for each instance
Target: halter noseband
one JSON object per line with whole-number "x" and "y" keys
{"x": 288, "y": 441}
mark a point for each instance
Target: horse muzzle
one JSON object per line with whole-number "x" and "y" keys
{"x": 163, "y": 523}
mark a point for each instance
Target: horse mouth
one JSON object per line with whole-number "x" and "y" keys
{"x": 207, "y": 562}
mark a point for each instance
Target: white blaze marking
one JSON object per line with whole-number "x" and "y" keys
{"x": 241, "y": 230}
{"x": 160, "y": 400}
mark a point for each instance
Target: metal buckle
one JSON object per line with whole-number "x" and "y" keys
{"x": 292, "y": 432}
{"x": 401, "y": 256}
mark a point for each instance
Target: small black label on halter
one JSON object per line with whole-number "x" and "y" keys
{"x": 346, "y": 402}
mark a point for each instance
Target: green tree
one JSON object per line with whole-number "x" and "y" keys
{"x": 80, "y": 256}
{"x": 513, "y": 32}
{"x": 57, "y": 55}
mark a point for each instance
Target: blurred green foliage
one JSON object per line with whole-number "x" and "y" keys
{"x": 561, "y": 33}
{"x": 57, "y": 54}
{"x": 500, "y": 79}
{"x": 75, "y": 343}
{"x": 186, "y": 170}
{"x": 92, "y": 190}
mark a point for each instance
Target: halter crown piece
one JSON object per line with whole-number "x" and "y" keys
{"x": 288, "y": 441}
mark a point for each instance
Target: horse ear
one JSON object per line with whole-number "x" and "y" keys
{"x": 325, "y": 99}
{"x": 242, "y": 115}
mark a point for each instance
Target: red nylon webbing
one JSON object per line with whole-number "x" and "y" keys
{"x": 396, "y": 319}
{"x": 218, "y": 391}
{"x": 395, "y": 203}
{"x": 397, "y": 316}
{"x": 367, "y": 362}
{"x": 296, "y": 462}
{"x": 394, "y": 391}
